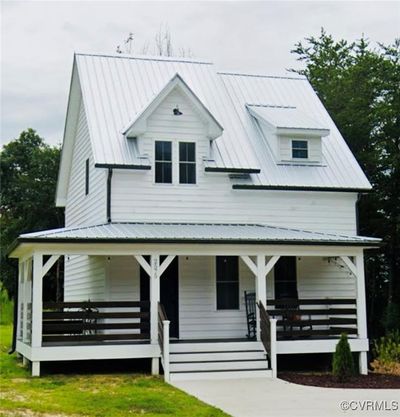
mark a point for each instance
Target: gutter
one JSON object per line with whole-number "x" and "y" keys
{"x": 109, "y": 183}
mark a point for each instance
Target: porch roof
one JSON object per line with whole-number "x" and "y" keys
{"x": 193, "y": 233}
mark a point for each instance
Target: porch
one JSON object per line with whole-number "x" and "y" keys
{"x": 132, "y": 326}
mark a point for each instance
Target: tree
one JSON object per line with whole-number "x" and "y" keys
{"x": 28, "y": 170}
{"x": 360, "y": 87}
{"x": 343, "y": 363}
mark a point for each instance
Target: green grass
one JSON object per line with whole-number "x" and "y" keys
{"x": 6, "y": 307}
{"x": 89, "y": 395}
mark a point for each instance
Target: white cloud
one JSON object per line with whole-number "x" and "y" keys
{"x": 39, "y": 38}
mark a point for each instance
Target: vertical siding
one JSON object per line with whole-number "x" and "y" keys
{"x": 84, "y": 209}
{"x": 84, "y": 278}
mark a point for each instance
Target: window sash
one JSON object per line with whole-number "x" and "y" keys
{"x": 87, "y": 177}
{"x": 163, "y": 162}
{"x": 227, "y": 282}
{"x": 300, "y": 149}
{"x": 187, "y": 163}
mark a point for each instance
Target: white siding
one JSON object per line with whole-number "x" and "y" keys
{"x": 135, "y": 196}
{"x": 84, "y": 209}
{"x": 198, "y": 315}
{"x": 123, "y": 279}
{"x": 319, "y": 278}
{"x": 84, "y": 278}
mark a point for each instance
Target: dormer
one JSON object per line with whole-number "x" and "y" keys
{"x": 292, "y": 136}
{"x": 139, "y": 125}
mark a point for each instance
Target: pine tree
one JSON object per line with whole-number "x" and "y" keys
{"x": 343, "y": 365}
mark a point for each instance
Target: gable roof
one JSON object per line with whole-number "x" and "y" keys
{"x": 117, "y": 88}
{"x": 138, "y": 125}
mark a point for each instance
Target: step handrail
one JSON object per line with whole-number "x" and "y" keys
{"x": 268, "y": 336}
{"x": 163, "y": 340}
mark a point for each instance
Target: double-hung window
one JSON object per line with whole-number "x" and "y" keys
{"x": 163, "y": 162}
{"x": 299, "y": 149}
{"x": 187, "y": 163}
{"x": 227, "y": 282}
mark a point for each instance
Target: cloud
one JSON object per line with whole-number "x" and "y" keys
{"x": 39, "y": 38}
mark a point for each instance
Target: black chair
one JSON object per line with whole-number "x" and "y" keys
{"x": 250, "y": 301}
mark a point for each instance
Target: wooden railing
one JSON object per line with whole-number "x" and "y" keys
{"x": 314, "y": 317}
{"x": 268, "y": 336}
{"x": 163, "y": 339}
{"x": 96, "y": 321}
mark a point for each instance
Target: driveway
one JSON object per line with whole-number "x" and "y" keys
{"x": 259, "y": 397}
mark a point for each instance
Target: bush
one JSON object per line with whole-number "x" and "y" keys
{"x": 6, "y": 307}
{"x": 343, "y": 364}
{"x": 391, "y": 318}
{"x": 387, "y": 352}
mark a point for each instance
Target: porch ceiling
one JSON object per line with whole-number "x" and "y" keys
{"x": 192, "y": 233}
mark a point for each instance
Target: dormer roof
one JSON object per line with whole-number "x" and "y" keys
{"x": 287, "y": 120}
{"x": 138, "y": 125}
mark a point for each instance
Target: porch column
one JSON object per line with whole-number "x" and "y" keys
{"x": 361, "y": 310}
{"x": 154, "y": 300}
{"x": 261, "y": 290}
{"x": 26, "y": 291}
{"x": 20, "y": 300}
{"x": 37, "y": 306}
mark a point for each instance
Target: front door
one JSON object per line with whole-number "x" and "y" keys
{"x": 169, "y": 292}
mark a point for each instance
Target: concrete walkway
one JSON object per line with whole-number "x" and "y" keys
{"x": 259, "y": 397}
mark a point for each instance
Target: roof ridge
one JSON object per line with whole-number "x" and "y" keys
{"x": 147, "y": 58}
{"x": 243, "y": 74}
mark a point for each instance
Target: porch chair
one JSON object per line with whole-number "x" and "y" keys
{"x": 250, "y": 301}
{"x": 292, "y": 319}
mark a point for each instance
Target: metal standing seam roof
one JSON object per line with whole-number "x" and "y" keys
{"x": 116, "y": 88}
{"x": 285, "y": 117}
{"x": 193, "y": 232}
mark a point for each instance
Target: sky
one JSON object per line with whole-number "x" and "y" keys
{"x": 38, "y": 40}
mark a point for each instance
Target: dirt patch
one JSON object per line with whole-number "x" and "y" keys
{"x": 372, "y": 380}
{"x": 29, "y": 413}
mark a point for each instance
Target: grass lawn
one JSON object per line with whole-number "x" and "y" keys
{"x": 89, "y": 395}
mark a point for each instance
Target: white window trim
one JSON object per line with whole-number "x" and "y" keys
{"x": 175, "y": 162}
{"x": 308, "y": 149}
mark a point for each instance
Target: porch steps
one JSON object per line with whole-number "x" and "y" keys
{"x": 217, "y": 360}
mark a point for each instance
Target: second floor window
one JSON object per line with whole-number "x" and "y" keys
{"x": 299, "y": 149}
{"x": 187, "y": 163}
{"x": 163, "y": 162}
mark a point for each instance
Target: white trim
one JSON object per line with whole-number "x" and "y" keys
{"x": 46, "y": 267}
{"x": 350, "y": 264}
{"x": 361, "y": 305}
{"x": 88, "y": 352}
{"x": 318, "y": 346}
{"x": 37, "y": 300}
{"x": 270, "y": 264}
{"x": 250, "y": 263}
{"x": 143, "y": 263}
{"x": 187, "y": 249}
{"x": 166, "y": 263}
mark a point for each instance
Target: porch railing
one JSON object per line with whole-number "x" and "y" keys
{"x": 302, "y": 318}
{"x": 96, "y": 321}
{"x": 163, "y": 339}
{"x": 268, "y": 336}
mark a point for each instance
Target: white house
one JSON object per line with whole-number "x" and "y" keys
{"x": 184, "y": 189}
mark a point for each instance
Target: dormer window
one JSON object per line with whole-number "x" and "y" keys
{"x": 299, "y": 149}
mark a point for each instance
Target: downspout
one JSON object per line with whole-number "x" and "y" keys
{"x": 15, "y": 309}
{"x": 109, "y": 178}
